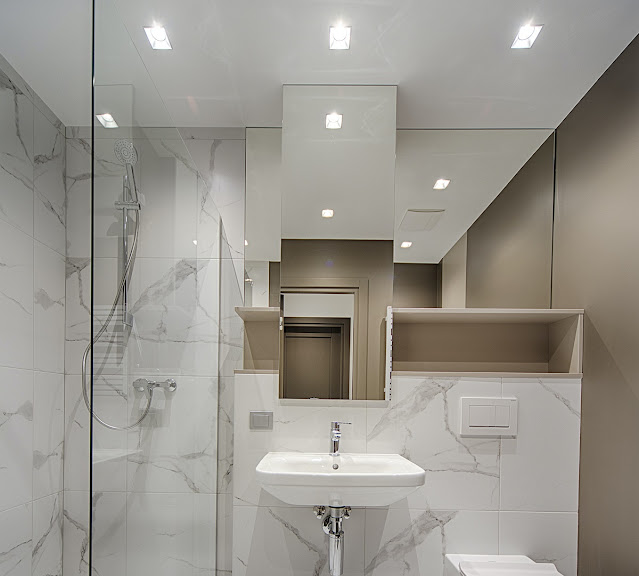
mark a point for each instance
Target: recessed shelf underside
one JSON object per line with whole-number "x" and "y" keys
{"x": 258, "y": 314}
{"x": 481, "y": 315}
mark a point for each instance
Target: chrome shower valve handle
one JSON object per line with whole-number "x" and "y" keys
{"x": 147, "y": 386}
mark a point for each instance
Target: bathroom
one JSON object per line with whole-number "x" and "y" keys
{"x": 318, "y": 288}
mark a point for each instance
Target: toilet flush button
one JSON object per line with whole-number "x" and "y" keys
{"x": 485, "y": 416}
{"x": 481, "y": 415}
{"x": 502, "y": 416}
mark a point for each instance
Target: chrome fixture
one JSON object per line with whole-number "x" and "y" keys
{"x": 147, "y": 386}
{"x": 125, "y": 153}
{"x": 336, "y": 434}
{"x": 332, "y": 524}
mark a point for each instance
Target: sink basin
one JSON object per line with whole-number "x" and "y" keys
{"x": 307, "y": 479}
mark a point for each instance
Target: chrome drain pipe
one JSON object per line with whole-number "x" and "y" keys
{"x": 332, "y": 524}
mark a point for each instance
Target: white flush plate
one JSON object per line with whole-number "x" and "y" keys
{"x": 488, "y": 416}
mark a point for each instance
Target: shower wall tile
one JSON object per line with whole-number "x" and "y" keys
{"x": 209, "y": 222}
{"x": 76, "y": 436}
{"x": 49, "y": 305}
{"x": 167, "y": 180}
{"x": 225, "y": 442}
{"x": 75, "y": 550}
{"x": 422, "y": 423}
{"x": 16, "y": 541}
{"x": 289, "y": 541}
{"x": 109, "y": 446}
{"x": 49, "y": 184}
{"x": 224, "y": 540}
{"x": 32, "y": 292}
{"x": 170, "y": 534}
{"x": 16, "y": 437}
{"x": 222, "y": 166}
{"x": 16, "y": 155}
{"x": 175, "y": 449}
{"x": 47, "y": 536}
{"x": 109, "y": 532}
{"x": 543, "y": 536}
{"x": 78, "y": 198}
{"x": 526, "y": 461}
{"x": 48, "y": 434}
{"x": 23, "y": 87}
{"x": 16, "y": 297}
{"x": 78, "y": 308}
{"x": 175, "y": 328}
{"x": 415, "y": 542}
{"x": 77, "y": 311}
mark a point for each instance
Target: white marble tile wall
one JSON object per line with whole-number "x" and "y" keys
{"x": 220, "y": 158}
{"x": 162, "y": 479}
{"x": 482, "y": 495}
{"x": 32, "y": 309}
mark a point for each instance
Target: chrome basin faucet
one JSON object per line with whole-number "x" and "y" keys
{"x": 336, "y": 434}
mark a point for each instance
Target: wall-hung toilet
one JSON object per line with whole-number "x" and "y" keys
{"x": 488, "y": 565}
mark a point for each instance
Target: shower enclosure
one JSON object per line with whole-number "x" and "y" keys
{"x": 152, "y": 337}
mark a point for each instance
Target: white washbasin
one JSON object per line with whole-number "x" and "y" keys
{"x": 307, "y": 479}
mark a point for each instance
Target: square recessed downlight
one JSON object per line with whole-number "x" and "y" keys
{"x": 158, "y": 38}
{"x": 441, "y": 184}
{"x": 406, "y": 244}
{"x": 107, "y": 120}
{"x": 526, "y": 36}
{"x": 339, "y": 37}
{"x": 334, "y": 121}
{"x": 327, "y": 213}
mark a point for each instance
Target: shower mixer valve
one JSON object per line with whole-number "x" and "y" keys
{"x": 144, "y": 385}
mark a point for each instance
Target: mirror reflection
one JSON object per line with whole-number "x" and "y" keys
{"x": 345, "y": 223}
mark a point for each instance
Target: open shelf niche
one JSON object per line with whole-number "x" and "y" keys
{"x": 487, "y": 341}
{"x": 261, "y": 338}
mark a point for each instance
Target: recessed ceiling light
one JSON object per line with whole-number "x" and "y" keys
{"x": 406, "y": 244}
{"x": 526, "y": 36}
{"x": 195, "y": 242}
{"x": 441, "y": 184}
{"x": 158, "y": 38}
{"x": 328, "y": 213}
{"x": 334, "y": 121}
{"x": 245, "y": 242}
{"x": 339, "y": 37}
{"x": 107, "y": 120}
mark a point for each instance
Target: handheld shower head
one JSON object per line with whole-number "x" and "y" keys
{"x": 125, "y": 152}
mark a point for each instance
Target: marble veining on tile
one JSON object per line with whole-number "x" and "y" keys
{"x": 397, "y": 548}
{"x": 16, "y": 154}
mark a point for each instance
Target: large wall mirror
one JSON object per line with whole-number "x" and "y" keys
{"x": 347, "y": 216}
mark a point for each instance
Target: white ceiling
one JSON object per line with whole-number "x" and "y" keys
{"x": 451, "y": 59}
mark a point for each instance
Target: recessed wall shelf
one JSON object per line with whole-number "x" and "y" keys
{"x": 481, "y": 342}
{"x": 261, "y": 337}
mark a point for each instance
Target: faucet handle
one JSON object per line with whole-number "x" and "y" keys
{"x": 336, "y": 424}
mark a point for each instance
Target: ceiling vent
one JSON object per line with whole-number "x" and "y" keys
{"x": 421, "y": 219}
